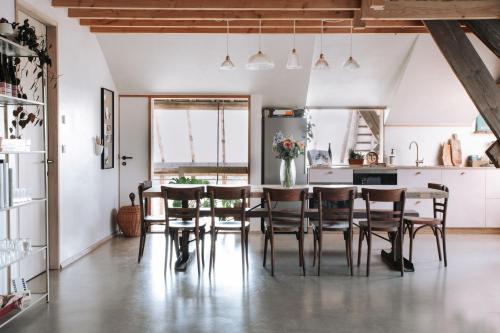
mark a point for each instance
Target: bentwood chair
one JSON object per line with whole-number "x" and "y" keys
{"x": 385, "y": 220}
{"x": 335, "y": 206}
{"x": 185, "y": 218}
{"x": 146, "y": 220}
{"x": 436, "y": 223}
{"x": 288, "y": 221}
{"x": 229, "y": 218}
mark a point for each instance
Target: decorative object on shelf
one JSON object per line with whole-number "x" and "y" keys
{"x": 6, "y": 28}
{"x": 293, "y": 61}
{"x": 98, "y": 145}
{"x": 372, "y": 158}
{"x": 20, "y": 287}
{"x": 355, "y": 158}
{"x": 227, "y": 64}
{"x": 319, "y": 158}
{"x": 321, "y": 63}
{"x": 9, "y": 303}
{"x": 456, "y": 150}
{"x": 481, "y": 126}
{"x": 260, "y": 61}
{"x": 446, "y": 154}
{"x": 350, "y": 63}
{"x": 287, "y": 150}
{"x": 108, "y": 128}
{"x": 129, "y": 218}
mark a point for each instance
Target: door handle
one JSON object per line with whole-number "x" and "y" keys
{"x": 124, "y": 158}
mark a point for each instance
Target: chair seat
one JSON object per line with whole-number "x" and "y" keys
{"x": 423, "y": 220}
{"x": 189, "y": 225}
{"x": 331, "y": 225}
{"x": 284, "y": 226}
{"x": 155, "y": 219}
{"x": 380, "y": 226}
{"x": 230, "y": 225}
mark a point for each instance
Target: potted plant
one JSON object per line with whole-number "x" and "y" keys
{"x": 355, "y": 158}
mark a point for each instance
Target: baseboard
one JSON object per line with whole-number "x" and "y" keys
{"x": 81, "y": 254}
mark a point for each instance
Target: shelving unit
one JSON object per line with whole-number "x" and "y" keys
{"x": 13, "y": 49}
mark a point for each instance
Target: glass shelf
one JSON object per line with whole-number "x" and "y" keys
{"x": 14, "y": 49}
{"x": 35, "y": 298}
{"x": 17, "y": 205}
{"x": 23, "y": 255}
{"x": 6, "y": 152}
{"x": 10, "y": 100}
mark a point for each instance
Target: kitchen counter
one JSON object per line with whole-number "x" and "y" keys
{"x": 399, "y": 167}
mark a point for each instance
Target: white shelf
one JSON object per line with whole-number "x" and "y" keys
{"x": 21, "y": 204}
{"x": 6, "y": 152}
{"x": 34, "y": 249}
{"x": 35, "y": 298}
{"x": 14, "y": 49}
{"x": 10, "y": 100}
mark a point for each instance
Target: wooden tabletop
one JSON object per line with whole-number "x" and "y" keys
{"x": 256, "y": 191}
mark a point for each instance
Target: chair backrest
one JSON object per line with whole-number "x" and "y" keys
{"x": 396, "y": 196}
{"x": 342, "y": 199}
{"x": 286, "y": 195}
{"x": 143, "y": 204}
{"x": 440, "y": 207}
{"x": 185, "y": 195}
{"x": 240, "y": 194}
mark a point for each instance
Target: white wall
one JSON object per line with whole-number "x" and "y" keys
{"x": 8, "y": 10}
{"x": 87, "y": 194}
{"x": 430, "y": 140}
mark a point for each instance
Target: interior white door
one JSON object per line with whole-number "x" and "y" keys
{"x": 134, "y": 143}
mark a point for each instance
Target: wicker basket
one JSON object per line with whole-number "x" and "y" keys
{"x": 129, "y": 220}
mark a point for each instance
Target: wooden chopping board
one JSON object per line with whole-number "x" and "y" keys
{"x": 456, "y": 150}
{"x": 446, "y": 155}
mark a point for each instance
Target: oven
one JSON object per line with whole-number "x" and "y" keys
{"x": 366, "y": 176}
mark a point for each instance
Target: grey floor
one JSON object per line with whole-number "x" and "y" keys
{"x": 107, "y": 291}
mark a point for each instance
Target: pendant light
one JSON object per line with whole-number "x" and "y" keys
{"x": 350, "y": 63}
{"x": 227, "y": 64}
{"x": 293, "y": 61}
{"x": 259, "y": 61}
{"x": 321, "y": 63}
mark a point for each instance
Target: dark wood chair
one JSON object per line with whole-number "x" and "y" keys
{"x": 335, "y": 206}
{"x": 239, "y": 195}
{"x": 289, "y": 221}
{"x": 146, "y": 220}
{"x": 184, "y": 219}
{"x": 437, "y": 223}
{"x": 385, "y": 220}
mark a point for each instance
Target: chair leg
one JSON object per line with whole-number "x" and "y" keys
{"x": 247, "y": 231}
{"x": 141, "y": 246}
{"x": 368, "y": 256}
{"x": 242, "y": 234}
{"x": 301, "y": 235}
{"x": 351, "y": 264}
{"x": 435, "y": 231}
{"x": 315, "y": 237}
{"x": 346, "y": 247}
{"x": 320, "y": 250}
{"x": 197, "y": 240}
{"x": 167, "y": 235}
{"x": 212, "y": 250}
{"x": 360, "y": 244}
{"x": 175, "y": 234}
{"x": 412, "y": 236}
{"x": 401, "y": 256}
{"x": 443, "y": 236}
{"x": 265, "y": 248}
{"x": 171, "y": 249}
{"x": 202, "y": 231}
{"x": 271, "y": 238}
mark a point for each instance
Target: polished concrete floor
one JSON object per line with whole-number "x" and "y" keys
{"x": 107, "y": 291}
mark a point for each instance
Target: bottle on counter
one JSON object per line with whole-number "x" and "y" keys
{"x": 330, "y": 150}
{"x": 3, "y": 79}
{"x": 8, "y": 82}
{"x": 13, "y": 78}
{"x": 392, "y": 157}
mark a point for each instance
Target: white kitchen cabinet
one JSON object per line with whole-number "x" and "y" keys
{"x": 493, "y": 184}
{"x": 419, "y": 177}
{"x": 330, "y": 176}
{"x": 493, "y": 213}
{"x": 466, "y": 204}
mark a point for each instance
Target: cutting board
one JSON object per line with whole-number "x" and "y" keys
{"x": 456, "y": 150}
{"x": 446, "y": 155}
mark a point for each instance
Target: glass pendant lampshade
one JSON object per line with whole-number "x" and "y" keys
{"x": 259, "y": 61}
{"x": 227, "y": 64}
{"x": 293, "y": 61}
{"x": 350, "y": 64}
{"x": 321, "y": 63}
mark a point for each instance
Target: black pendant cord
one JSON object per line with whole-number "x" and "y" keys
{"x": 218, "y": 129}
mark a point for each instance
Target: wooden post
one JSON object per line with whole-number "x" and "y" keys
{"x": 488, "y": 31}
{"x": 472, "y": 73}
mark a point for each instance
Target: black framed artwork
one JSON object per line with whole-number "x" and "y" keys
{"x": 108, "y": 128}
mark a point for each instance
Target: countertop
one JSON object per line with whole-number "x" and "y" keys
{"x": 396, "y": 167}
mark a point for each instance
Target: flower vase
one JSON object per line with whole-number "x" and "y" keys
{"x": 287, "y": 173}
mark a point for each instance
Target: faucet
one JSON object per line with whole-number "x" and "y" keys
{"x": 417, "y": 161}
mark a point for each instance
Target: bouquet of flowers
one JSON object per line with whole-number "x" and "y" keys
{"x": 286, "y": 148}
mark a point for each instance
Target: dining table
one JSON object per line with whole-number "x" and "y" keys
{"x": 259, "y": 211}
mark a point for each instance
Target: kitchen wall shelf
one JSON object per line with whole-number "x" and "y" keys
{"x": 10, "y": 100}
{"x": 34, "y": 249}
{"x": 21, "y": 204}
{"x": 35, "y": 298}
{"x": 14, "y": 49}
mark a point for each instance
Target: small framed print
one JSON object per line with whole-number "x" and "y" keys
{"x": 108, "y": 128}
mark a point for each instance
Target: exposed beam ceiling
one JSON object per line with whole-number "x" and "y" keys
{"x": 277, "y": 16}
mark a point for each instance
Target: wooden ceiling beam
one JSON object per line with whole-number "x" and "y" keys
{"x": 239, "y": 23}
{"x": 207, "y": 14}
{"x": 432, "y": 10}
{"x": 244, "y": 30}
{"x": 212, "y": 4}
{"x": 488, "y": 31}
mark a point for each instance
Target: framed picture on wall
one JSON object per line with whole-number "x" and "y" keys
{"x": 108, "y": 128}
